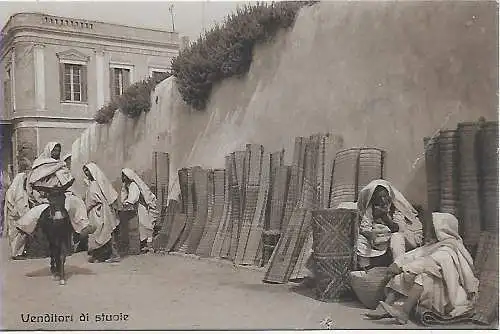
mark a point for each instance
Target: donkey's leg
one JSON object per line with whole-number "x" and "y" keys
{"x": 62, "y": 256}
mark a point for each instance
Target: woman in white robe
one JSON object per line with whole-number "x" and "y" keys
{"x": 388, "y": 221}
{"x": 101, "y": 201}
{"x": 136, "y": 193}
{"x": 16, "y": 206}
{"x": 439, "y": 276}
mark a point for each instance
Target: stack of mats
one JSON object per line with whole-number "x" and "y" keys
{"x": 253, "y": 168}
{"x": 486, "y": 265}
{"x": 333, "y": 251}
{"x": 344, "y": 180}
{"x": 129, "y": 238}
{"x": 431, "y": 148}
{"x": 469, "y": 209}
{"x": 276, "y": 162}
{"x": 160, "y": 179}
{"x": 448, "y": 142}
{"x": 217, "y": 199}
{"x": 279, "y": 196}
{"x": 488, "y": 163}
{"x": 230, "y": 244}
{"x": 370, "y": 166}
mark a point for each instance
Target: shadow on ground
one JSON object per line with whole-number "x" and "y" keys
{"x": 70, "y": 271}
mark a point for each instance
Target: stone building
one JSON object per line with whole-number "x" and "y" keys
{"x": 57, "y": 71}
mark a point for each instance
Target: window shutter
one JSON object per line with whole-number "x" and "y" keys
{"x": 83, "y": 78}
{"x": 61, "y": 81}
{"x": 112, "y": 88}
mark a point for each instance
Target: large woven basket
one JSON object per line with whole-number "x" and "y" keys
{"x": 369, "y": 286}
{"x": 370, "y": 166}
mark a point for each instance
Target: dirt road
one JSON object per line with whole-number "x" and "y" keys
{"x": 162, "y": 292}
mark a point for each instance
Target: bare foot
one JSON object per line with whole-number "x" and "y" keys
{"x": 481, "y": 319}
{"x": 396, "y": 312}
{"x": 378, "y": 313}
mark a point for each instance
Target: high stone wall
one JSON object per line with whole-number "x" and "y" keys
{"x": 382, "y": 74}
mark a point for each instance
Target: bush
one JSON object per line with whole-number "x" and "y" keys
{"x": 226, "y": 50}
{"x": 134, "y": 100}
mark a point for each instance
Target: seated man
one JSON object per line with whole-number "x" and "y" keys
{"x": 388, "y": 222}
{"x": 438, "y": 277}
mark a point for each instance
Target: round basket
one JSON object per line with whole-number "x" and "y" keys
{"x": 369, "y": 286}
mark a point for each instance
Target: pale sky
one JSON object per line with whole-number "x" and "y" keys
{"x": 188, "y": 15}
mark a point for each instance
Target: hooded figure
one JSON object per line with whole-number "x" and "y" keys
{"x": 16, "y": 206}
{"x": 136, "y": 193}
{"x": 387, "y": 220}
{"x": 439, "y": 277}
{"x": 50, "y": 172}
{"x": 67, "y": 160}
{"x": 100, "y": 199}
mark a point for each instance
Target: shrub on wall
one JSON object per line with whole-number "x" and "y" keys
{"x": 134, "y": 100}
{"x": 226, "y": 50}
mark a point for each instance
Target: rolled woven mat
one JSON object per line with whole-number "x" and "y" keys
{"x": 241, "y": 175}
{"x": 287, "y": 250}
{"x": 432, "y": 170}
{"x": 252, "y": 193}
{"x": 257, "y": 225}
{"x": 207, "y": 241}
{"x": 300, "y": 270}
{"x": 222, "y": 229}
{"x": 161, "y": 240}
{"x": 292, "y": 196}
{"x": 254, "y": 155}
{"x": 469, "y": 209}
{"x": 344, "y": 181}
{"x": 448, "y": 149}
{"x": 488, "y": 143}
{"x": 429, "y": 318}
{"x": 276, "y": 162}
{"x": 299, "y": 156}
{"x": 188, "y": 197}
{"x": 178, "y": 225}
{"x": 269, "y": 240}
{"x": 310, "y": 185}
{"x": 236, "y": 201}
{"x": 161, "y": 172}
{"x": 183, "y": 185}
{"x": 370, "y": 166}
{"x": 201, "y": 178}
{"x": 278, "y": 201}
{"x": 333, "y": 144}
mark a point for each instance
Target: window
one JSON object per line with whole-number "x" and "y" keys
{"x": 120, "y": 80}
{"x": 73, "y": 82}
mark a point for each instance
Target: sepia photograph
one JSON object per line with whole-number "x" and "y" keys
{"x": 242, "y": 165}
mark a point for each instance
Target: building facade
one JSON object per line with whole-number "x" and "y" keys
{"x": 57, "y": 71}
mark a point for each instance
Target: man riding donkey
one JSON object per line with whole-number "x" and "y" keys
{"x": 50, "y": 175}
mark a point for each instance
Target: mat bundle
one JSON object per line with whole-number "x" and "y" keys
{"x": 160, "y": 179}
{"x": 328, "y": 147}
{"x": 201, "y": 178}
{"x": 188, "y": 199}
{"x": 223, "y": 228}
{"x": 278, "y": 200}
{"x": 130, "y": 240}
{"x": 333, "y": 250}
{"x": 37, "y": 245}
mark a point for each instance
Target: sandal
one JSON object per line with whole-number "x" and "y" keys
{"x": 396, "y": 312}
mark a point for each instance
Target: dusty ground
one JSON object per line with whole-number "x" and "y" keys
{"x": 166, "y": 292}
